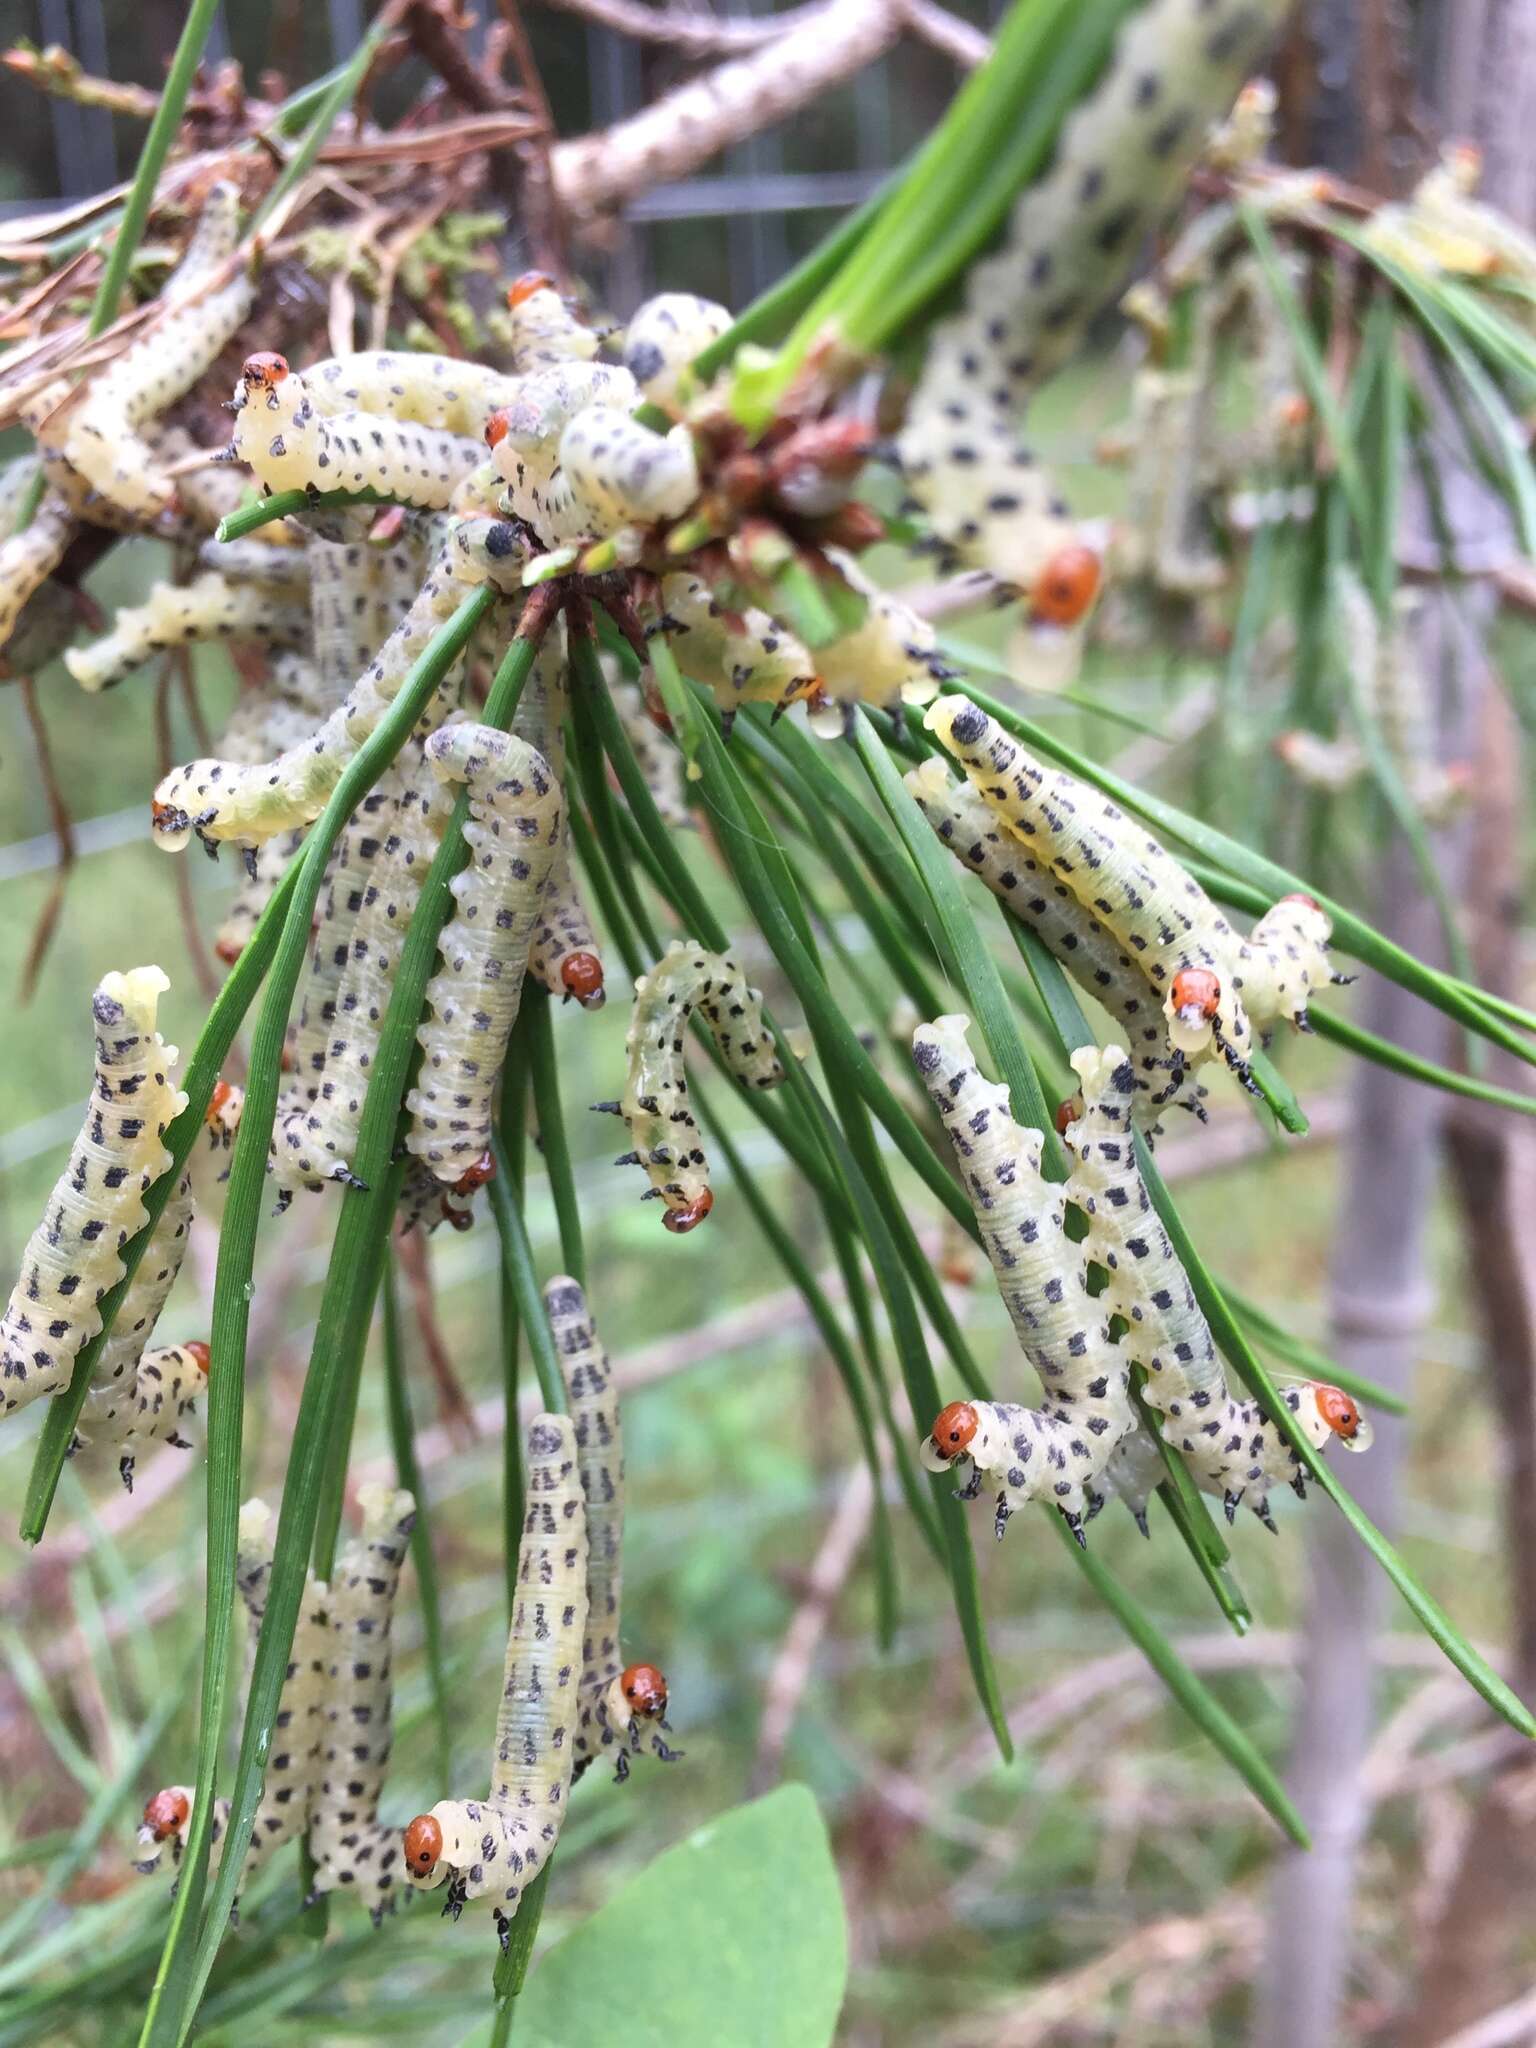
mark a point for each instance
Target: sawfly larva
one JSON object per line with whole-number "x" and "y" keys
{"x": 544, "y": 329}
{"x": 181, "y": 614}
{"x": 148, "y": 1407}
{"x": 662, "y": 341}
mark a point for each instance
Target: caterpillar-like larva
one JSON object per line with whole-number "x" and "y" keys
{"x": 353, "y": 1851}
{"x": 212, "y": 1152}
{"x": 1132, "y": 1475}
{"x": 1053, "y": 1453}
{"x": 315, "y": 1137}
{"x": 660, "y": 764}
{"x": 181, "y": 614}
{"x": 493, "y": 1848}
{"x": 97, "y": 1204}
{"x": 891, "y": 657}
{"x": 1088, "y": 950}
{"x": 278, "y": 565}
{"x": 448, "y": 392}
{"x": 622, "y": 473}
{"x": 101, "y": 436}
{"x": 662, "y": 340}
{"x": 563, "y": 955}
{"x": 543, "y": 328}
{"x": 289, "y": 444}
{"x": 743, "y": 657}
{"x": 655, "y": 1104}
{"x": 222, "y": 800}
{"x": 1230, "y": 1445}
{"x": 577, "y": 466}
{"x": 29, "y": 557}
{"x": 1116, "y": 869}
{"x": 147, "y": 1408}
{"x": 616, "y": 1702}
{"x": 516, "y": 821}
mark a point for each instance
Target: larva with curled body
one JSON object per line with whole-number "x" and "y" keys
{"x": 662, "y": 340}
{"x": 145, "y": 1408}
{"x": 1231, "y": 1446}
{"x": 182, "y": 615}
{"x": 611, "y": 1712}
{"x": 101, "y": 437}
{"x": 516, "y": 821}
{"x": 289, "y": 444}
{"x": 526, "y": 441}
{"x": 1132, "y": 1475}
{"x": 97, "y": 1204}
{"x": 740, "y": 657}
{"x": 1087, "y": 949}
{"x": 1055, "y": 1452}
{"x": 224, "y": 800}
{"x": 544, "y": 329}
{"x": 891, "y": 657}
{"x": 655, "y": 1105}
{"x": 1116, "y": 870}
{"x": 492, "y": 1849}
{"x": 353, "y": 1851}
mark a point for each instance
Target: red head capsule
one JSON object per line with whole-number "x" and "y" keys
{"x": 680, "y": 1220}
{"x": 524, "y": 287}
{"x": 167, "y": 1812}
{"x": 228, "y": 951}
{"x": 496, "y": 429}
{"x": 1298, "y": 896}
{"x": 1197, "y": 990}
{"x": 460, "y": 1219}
{"x": 475, "y": 1176}
{"x": 423, "y": 1845}
{"x": 1339, "y": 1412}
{"x": 1066, "y": 586}
{"x": 161, "y": 815}
{"x": 264, "y": 369}
{"x": 645, "y": 1691}
{"x": 1067, "y": 1113}
{"x": 954, "y": 1429}
{"x": 581, "y": 975}
{"x": 218, "y": 1100}
{"x": 200, "y": 1354}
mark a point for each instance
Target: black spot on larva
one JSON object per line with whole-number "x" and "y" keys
{"x": 925, "y": 1056}
{"x": 968, "y": 725}
{"x": 500, "y": 541}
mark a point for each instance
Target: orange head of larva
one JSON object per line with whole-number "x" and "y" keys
{"x": 167, "y": 1812}
{"x": 690, "y": 1215}
{"x": 475, "y": 1176}
{"x": 228, "y": 950}
{"x": 264, "y": 369}
{"x": 199, "y": 1354}
{"x": 1341, "y": 1414}
{"x": 459, "y": 1219}
{"x": 954, "y": 1429}
{"x": 1300, "y": 896}
{"x": 645, "y": 1691}
{"x": 523, "y": 288}
{"x": 423, "y": 1845}
{"x": 218, "y": 1101}
{"x": 496, "y": 428}
{"x": 1067, "y": 1114}
{"x": 1196, "y": 994}
{"x": 1066, "y": 586}
{"x": 163, "y": 817}
{"x": 581, "y": 976}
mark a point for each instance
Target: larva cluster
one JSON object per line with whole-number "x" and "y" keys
{"x": 655, "y": 1104}
{"x": 1053, "y": 1453}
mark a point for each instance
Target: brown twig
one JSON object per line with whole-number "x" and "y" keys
{"x": 64, "y": 831}
{"x": 454, "y": 1412}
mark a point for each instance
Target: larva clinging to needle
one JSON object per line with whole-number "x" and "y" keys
{"x": 182, "y": 614}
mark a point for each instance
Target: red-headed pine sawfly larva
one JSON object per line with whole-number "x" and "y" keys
{"x": 662, "y": 341}
{"x": 1116, "y": 869}
{"x": 427, "y": 1202}
{"x": 525, "y": 442}
{"x": 290, "y": 445}
{"x": 30, "y": 556}
{"x": 891, "y": 657}
{"x": 1053, "y": 1453}
{"x": 148, "y": 1407}
{"x": 1088, "y": 950}
{"x": 182, "y": 614}
{"x": 743, "y": 657}
{"x": 493, "y": 1848}
{"x": 314, "y": 1138}
{"x": 616, "y": 1702}
{"x": 226, "y": 800}
{"x": 1230, "y": 1445}
{"x": 660, "y": 763}
{"x": 543, "y": 328}
{"x": 101, "y": 436}
{"x": 623, "y": 473}
{"x": 423, "y": 390}
{"x": 516, "y": 821}
{"x": 563, "y": 956}
{"x": 655, "y": 1104}
{"x": 97, "y": 1204}
{"x": 353, "y": 1851}
{"x": 214, "y": 1148}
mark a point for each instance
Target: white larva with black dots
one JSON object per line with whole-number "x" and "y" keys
{"x": 210, "y": 607}
{"x": 662, "y": 340}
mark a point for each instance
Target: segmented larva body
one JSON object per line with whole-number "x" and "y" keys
{"x": 740, "y": 657}
{"x": 892, "y": 657}
{"x": 290, "y": 444}
{"x": 279, "y": 565}
{"x": 655, "y": 1104}
{"x": 662, "y": 340}
{"x": 73, "y": 1256}
{"x": 228, "y": 800}
{"x": 612, "y": 1716}
{"x": 101, "y": 437}
{"x": 563, "y": 955}
{"x": 421, "y": 390}
{"x": 1133, "y": 1475}
{"x": 182, "y": 614}
{"x": 544, "y": 329}
{"x": 516, "y": 820}
{"x": 1283, "y": 960}
{"x": 622, "y": 473}
{"x": 353, "y": 1851}
{"x": 525, "y": 441}
{"x": 29, "y": 557}
{"x": 1053, "y": 1453}
{"x": 148, "y": 1407}
{"x": 1088, "y": 950}
{"x": 1114, "y": 867}
{"x": 1231, "y": 1446}
{"x": 493, "y": 1848}
{"x": 214, "y": 1148}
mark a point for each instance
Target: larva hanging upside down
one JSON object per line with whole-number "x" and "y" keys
{"x": 515, "y": 827}
{"x": 662, "y": 340}
{"x": 222, "y": 800}
{"x": 101, "y": 436}
{"x": 73, "y": 1256}
{"x": 1231, "y": 1446}
{"x": 493, "y": 1848}
{"x": 616, "y": 1701}
{"x": 655, "y": 1105}
{"x": 353, "y": 1851}
{"x": 1088, "y": 950}
{"x": 1053, "y": 1453}
{"x": 563, "y": 956}
{"x": 180, "y": 614}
